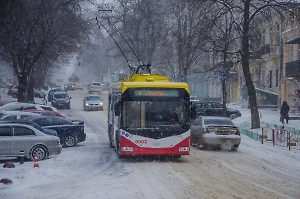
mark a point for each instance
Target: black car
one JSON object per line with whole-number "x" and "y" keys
{"x": 210, "y": 108}
{"x": 51, "y": 93}
{"x": 33, "y": 124}
{"x": 69, "y": 87}
{"x": 61, "y": 99}
{"x": 70, "y": 132}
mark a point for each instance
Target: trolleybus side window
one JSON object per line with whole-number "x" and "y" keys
{"x": 132, "y": 114}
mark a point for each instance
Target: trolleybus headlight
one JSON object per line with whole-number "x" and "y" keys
{"x": 182, "y": 149}
{"x": 126, "y": 148}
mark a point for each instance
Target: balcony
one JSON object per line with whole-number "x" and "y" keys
{"x": 270, "y": 50}
{"x": 292, "y": 69}
{"x": 255, "y": 55}
{"x": 266, "y": 49}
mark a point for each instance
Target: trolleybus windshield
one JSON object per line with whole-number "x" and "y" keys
{"x": 153, "y": 112}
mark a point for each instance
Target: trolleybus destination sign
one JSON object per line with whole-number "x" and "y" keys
{"x": 156, "y": 93}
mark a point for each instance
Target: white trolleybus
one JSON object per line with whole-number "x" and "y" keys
{"x": 149, "y": 115}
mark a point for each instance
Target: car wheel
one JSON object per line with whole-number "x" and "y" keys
{"x": 199, "y": 143}
{"x": 41, "y": 152}
{"x": 118, "y": 149}
{"x": 234, "y": 148}
{"x": 111, "y": 144}
{"x": 70, "y": 141}
{"x": 232, "y": 116}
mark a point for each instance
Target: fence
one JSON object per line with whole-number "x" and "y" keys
{"x": 276, "y": 134}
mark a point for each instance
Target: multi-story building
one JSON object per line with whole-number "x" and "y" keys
{"x": 276, "y": 67}
{"x": 290, "y": 84}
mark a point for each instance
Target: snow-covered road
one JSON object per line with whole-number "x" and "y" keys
{"x": 93, "y": 170}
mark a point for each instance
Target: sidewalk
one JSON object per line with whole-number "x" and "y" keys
{"x": 270, "y": 117}
{"x": 4, "y": 98}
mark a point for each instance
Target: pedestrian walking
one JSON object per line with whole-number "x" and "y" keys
{"x": 284, "y": 112}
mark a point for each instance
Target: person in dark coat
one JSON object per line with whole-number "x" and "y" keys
{"x": 284, "y": 112}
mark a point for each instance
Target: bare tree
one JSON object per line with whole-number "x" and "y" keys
{"x": 191, "y": 27}
{"x": 223, "y": 40}
{"x": 246, "y": 13}
{"x": 141, "y": 24}
{"x": 31, "y": 31}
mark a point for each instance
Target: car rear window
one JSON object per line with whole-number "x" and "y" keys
{"x": 218, "y": 122}
{"x": 61, "y": 95}
{"x": 96, "y": 84}
{"x": 93, "y": 98}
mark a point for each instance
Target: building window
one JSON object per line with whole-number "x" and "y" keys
{"x": 276, "y": 78}
{"x": 277, "y": 35}
{"x": 271, "y": 36}
{"x": 270, "y": 79}
{"x": 298, "y": 54}
{"x": 258, "y": 73}
{"x": 263, "y": 37}
{"x": 263, "y": 74}
{"x": 290, "y": 56}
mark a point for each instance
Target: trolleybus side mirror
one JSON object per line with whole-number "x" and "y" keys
{"x": 117, "y": 108}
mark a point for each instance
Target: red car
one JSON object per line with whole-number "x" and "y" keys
{"x": 46, "y": 112}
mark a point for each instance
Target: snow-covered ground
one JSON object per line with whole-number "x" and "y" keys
{"x": 93, "y": 170}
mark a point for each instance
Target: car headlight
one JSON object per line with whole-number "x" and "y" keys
{"x": 101, "y": 103}
{"x": 87, "y": 104}
{"x": 67, "y": 100}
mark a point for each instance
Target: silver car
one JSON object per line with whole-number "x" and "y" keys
{"x": 16, "y": 137}
{"x": 15, "y": 115}
{"x": 19, "y": 106}
{"x": 216, "y": 132}
{"x": 78, "y": 86}
{"x": 92, "y": 102}
{"x": 95, "y": 87}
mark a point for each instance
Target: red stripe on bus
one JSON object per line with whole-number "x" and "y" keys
{"x": 154, "y": 151}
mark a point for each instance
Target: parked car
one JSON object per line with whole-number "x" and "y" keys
{"x": 61, "y": 99}
{"x": 45, "y": 112}
{"x": 210, "y": 108}
{"x": 92, "y": 102}
{"x": 33, "y": 124}
{"x": 15, "y": 115}
{"x": 69, "y": 87}
{"x": 216, "y": 132}
{"x": 70, "y": 132}
{"x": 15, "y": 137}
{"x": 13, "y": 91}
{"x": 48, "y": 108}
{"x": 41, "y": 93}
{"x": 19, "y": 106}
{"x": 78, "y": 86}
{"x": 95, "y": 87}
